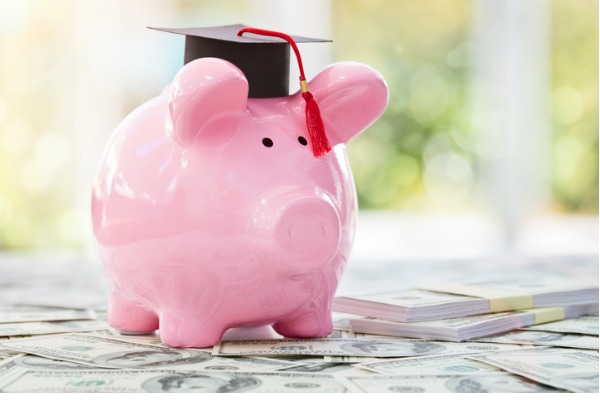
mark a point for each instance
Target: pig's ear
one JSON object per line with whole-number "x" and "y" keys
{"x": 351, "y": 96}
{"x": 202, "y": 91}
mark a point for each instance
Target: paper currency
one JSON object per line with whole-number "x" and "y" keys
{"x": 494, "y": 382}
{"x": 44, "y": 328}
{"x": 11, "y": 314}
{"x": 573, "y": 370}
{"x": 541, "y": 338}
{"x": 349, "y": 347}
{"x": 429, "y": 365}
{"x": 166, "y": 381}
{"x": 465, "y": 328}
{"x": 411, "y": 305}
{"x": 447, "y": 349}
{"x": 314, "y": 365}
{"x": 449, "y": 300}
{"x": 6, "y": 353}
{"x": 103, "y": 352}
{"x": 583, "y": 325}
{"x": 32, "y": 362}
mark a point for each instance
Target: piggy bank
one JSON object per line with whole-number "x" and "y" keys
{"x": 210, "y": 210}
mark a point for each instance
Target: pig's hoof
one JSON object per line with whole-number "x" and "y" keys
{"x": 179, "y": 332}
{"x": 303, "y": 328}
{"x": 126, "y": 316}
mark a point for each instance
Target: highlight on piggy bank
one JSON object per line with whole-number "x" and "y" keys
{"x": 211, "y": 207}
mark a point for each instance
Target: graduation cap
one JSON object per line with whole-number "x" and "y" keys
{"x": 265, "y": 60}
{"x": 264, "y": 57}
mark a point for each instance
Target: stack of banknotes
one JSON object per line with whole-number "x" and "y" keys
{"x": 456, "y": 312}
{"x": 53, "y": 349}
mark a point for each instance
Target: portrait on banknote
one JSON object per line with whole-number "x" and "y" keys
{"x": 200, "y": 382}
{"x": 151, "y": 358}
{"x": 376, "y": 347}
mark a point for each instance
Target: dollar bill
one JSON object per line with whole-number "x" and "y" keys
{"x": 16, "y": 313}
{"x": 105, "y": 352}
{"x": 492, "y": 382}
{"x": 587, "y": 325}
{"x": 315, "y": 365}
{"x": 32, "y": 362}
{"x": 44, "y": 328}
{"x": 166, "y": 381}
{"x": 541, "y": 338}
{"x": 357, "y": 348}
{"x": 429, "y": 365}
{"x": 6, "y": 353}
{"x": 152, "y": 339}
{"x": 7, "y": 364}
{"x": 573, "y": 370}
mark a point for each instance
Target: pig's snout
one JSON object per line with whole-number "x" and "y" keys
{"x": 308, "y": 232}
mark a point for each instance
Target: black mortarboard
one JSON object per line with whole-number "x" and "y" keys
{"x": 264, "y": 60}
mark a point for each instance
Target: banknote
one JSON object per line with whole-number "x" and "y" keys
{"x": 358, "y": 347}
{"x": 104, "y": 352}
{"x": 17, "y": 313}
{"x": 541, "y": 338}
{"x": 43, "y": 328}
{"x": 429, "y": 365}
{"x": 587, "y": 325}
{"x": 317, "y": 365}
{"x": 492, "y": 382}
{"x": 7, "y": 353}
{"x": 7, "y": 364}
{"x": 32, "y": 362}
{"x": 573, "y": 370}
{"x": 21, "y": 380}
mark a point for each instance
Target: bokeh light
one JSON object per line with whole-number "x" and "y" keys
{"x": 70, "y": 70}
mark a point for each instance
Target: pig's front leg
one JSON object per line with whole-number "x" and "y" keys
{"x": 179, "y": 329}
{"x": 129, "y": 317}
{"x": 312, "y": 321}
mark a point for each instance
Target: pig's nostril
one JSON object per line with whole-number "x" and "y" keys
{"x": 308, "y": 232}
{"x": 267, "y": 142}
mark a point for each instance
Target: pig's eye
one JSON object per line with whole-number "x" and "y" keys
{"x": 267, "y": 142}
{"x": 302, "y": 140}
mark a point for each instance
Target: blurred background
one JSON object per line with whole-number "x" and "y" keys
{"x": 489, "y": 143}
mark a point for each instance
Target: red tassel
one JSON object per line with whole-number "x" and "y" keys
{"x": 314, "y": 122}
{"x": 316, "y": 129}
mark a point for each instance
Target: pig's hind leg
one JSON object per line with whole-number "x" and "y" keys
{"x": 309, "y": 322}
{"x": 180, "y": 329}
{"x": 129, "y": 317}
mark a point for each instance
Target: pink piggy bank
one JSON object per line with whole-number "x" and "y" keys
{"x": 210, "y": 210}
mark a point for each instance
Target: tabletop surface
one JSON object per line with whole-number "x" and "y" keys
{"x": 75, "y": 281}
